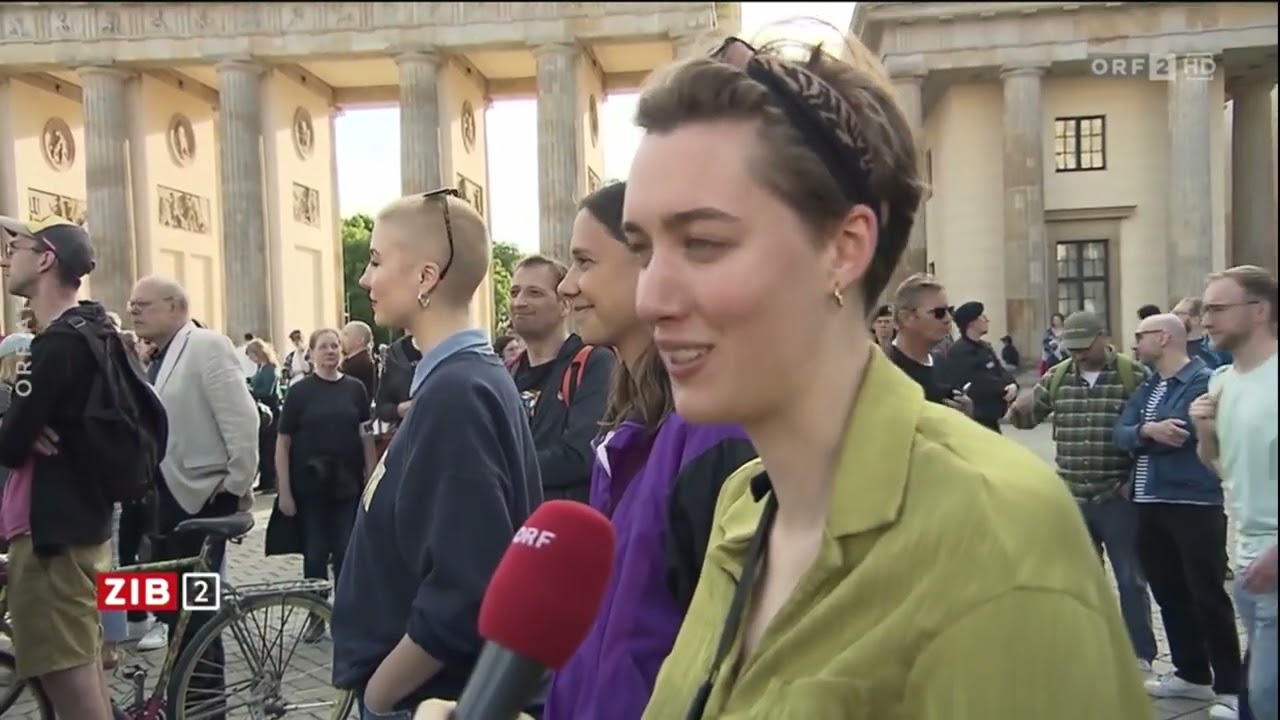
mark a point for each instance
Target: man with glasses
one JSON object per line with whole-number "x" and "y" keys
{"x": 54, "y": 514}
{"x": 1236, "y": 426}
{"x": 213, "y": 454}
{"x": 924, "y": 319}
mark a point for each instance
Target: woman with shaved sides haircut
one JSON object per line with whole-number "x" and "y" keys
{"x": 459, "y": 477}
{"x": 885, "y": 557}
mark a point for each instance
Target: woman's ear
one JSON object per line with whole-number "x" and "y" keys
{"x": 853, "y": 246}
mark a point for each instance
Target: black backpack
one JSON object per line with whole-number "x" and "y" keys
{"x": 126, "y": 428}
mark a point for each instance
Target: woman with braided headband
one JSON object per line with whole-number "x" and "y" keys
{"x": 885, "y": 557}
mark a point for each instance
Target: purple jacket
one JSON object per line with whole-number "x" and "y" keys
{"x": 660, "y": 491}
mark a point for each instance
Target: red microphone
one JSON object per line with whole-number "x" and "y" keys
{"x": 539, "y": 606}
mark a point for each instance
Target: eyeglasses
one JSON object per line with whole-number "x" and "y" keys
{"x": 938, "y": 312}
{"x": 1222, "y": 307}
{"x": 1137, "y": 337}
{"x": 41, "y": 245}
{"x": 445, "y": 193}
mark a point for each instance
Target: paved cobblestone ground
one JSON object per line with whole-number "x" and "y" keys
{"x": 310, "y": 664}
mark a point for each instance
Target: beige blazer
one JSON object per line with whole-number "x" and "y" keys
{"x": 213, "y": 421}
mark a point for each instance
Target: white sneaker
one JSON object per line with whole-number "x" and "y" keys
{"x": 1144, "y": 667}
{"x": 156, "y": 638}
{"x": 1224, "y": 708}
{"x": 1175, "y": 687}
{"x": 139, "y": 628}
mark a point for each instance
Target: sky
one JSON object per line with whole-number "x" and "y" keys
{"x": 368, "y": 140}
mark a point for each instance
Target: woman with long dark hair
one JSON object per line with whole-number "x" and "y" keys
{"x": 655, "y": 475}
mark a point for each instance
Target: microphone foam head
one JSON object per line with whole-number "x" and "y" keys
{"x": 546, "y": 592}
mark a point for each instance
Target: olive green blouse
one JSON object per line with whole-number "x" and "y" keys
{"x": 956, "y": 581}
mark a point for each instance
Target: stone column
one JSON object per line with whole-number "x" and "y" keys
{"x": 1253, "y": 210}
{"x": 909, "y": 87}
{"x": 107, "y": 181}
{"x": 559, "y": 146}
{"x": 419, "y": 122}
{"x": 246, "y": 257}
{"x": 1026, "y": 252}
{"x": 1189, "y": 255}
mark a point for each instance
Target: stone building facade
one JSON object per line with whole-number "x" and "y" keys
{"x": 198, "y": 138}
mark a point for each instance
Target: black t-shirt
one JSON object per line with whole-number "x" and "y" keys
{"x": 323, "y": 420}
{"x": 926, "y": 376}
{"x": 530, "y": 380}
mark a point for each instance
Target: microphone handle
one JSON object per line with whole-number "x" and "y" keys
{"x": 502, "y": 685}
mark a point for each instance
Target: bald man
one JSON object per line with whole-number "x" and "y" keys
{"x": 212, "y": 456}
{"x": 1181, "y": 524}
{"x": 459, "y": 477}
{"x": 357, "y": 361}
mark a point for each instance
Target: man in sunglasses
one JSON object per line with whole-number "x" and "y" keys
{"x": 923, "y": 319}
{"x": 55, "y": 516}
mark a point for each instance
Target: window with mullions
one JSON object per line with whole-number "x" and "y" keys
{"x": 1083, "y": 277}
{"x": 1080, "y": 143}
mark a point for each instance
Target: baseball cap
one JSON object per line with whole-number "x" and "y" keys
{"x": 1080, "y": 330}
{"x": 15, "y": 344}
{"x": 69, "y": 242}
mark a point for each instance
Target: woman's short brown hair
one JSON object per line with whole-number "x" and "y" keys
{"x": 822, "y": 121}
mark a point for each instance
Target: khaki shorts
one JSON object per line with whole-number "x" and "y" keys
{"x": 53, "y": 606}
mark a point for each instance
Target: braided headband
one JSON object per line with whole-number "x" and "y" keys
{"x": 815, "y": 111}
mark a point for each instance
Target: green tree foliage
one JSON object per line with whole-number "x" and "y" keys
{"x": 356, "y": 231}
{"x": 505, "y": 257}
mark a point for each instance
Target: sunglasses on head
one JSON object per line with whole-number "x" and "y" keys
{"x": 446, "y": 193}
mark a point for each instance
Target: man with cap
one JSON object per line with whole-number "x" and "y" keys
{"x": 54, "y": 514}
{"x": 972, "y": 363}
{"x": 1086, "y": 394}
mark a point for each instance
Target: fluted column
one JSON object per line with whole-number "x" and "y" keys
{"x": 246, "y": 257}
{"x": 1026, "y": 249}
{"x": 909, "y": 88}
{"x": 1189, "y": 255}
{"x": 559, "y": 151}
{"x": 106, "y": 170}
{"x": 419, "y": 122}
{"x": 1253, "y": 209}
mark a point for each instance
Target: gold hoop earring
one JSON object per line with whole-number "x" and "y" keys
{"x": 839, "y": 297}
{"x": 424, "y": 299}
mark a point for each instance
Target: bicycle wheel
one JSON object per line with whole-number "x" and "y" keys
{"x": 21, "y": 696}
{"x": 261, "y": 690}
{"x": 343, "y": 706}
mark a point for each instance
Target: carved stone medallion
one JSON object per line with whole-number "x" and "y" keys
{"x": 304, "y": 133}
{"x": 468, "y": 126}
{"x": 182, "y": 140}
{"x": 593, "y": 120}
{"x": 58, "y": 144}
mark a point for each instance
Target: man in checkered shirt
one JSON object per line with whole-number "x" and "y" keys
{"x": 1085, "y": 396}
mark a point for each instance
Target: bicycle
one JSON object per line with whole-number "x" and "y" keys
{"x": 173, "y": 696}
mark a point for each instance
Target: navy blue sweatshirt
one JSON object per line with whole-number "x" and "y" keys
{"x": 460, "y": 476}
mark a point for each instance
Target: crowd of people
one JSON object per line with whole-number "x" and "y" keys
{"x": 816, "y": 512}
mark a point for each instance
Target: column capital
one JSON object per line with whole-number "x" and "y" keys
{"x": 559, "y": 48}
{"x": 1023, "y": 70}
{"x": 906, "y": 69}
{"x": 239, "y": 64}
{"x": 111, "y": 71}
{"x": 423, "y": 56}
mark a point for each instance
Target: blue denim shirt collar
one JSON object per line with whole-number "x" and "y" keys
{"x": 1189, "y": 370}
{"x": 470, "y": 340}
